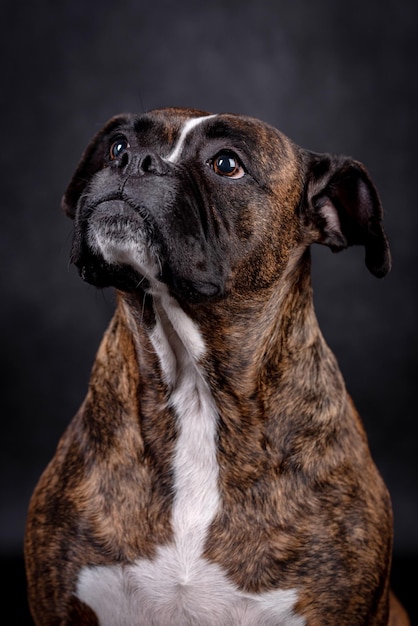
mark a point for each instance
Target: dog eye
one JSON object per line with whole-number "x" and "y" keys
{"x": 227, "y": 164}
{"x": 118, "y": 146}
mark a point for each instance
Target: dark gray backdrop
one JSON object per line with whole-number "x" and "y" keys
{"x": 334, "y": 76}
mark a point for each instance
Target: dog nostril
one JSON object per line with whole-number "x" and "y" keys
{"x": 146, "y": 164}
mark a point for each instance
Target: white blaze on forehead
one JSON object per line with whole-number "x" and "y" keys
{"x": 187, "y": 127}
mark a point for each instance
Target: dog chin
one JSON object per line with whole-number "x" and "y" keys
{"x": 131, "y": 263}
{"x": 127, "y": 268}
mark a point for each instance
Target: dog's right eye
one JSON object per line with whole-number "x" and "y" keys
{"x": 118, "y": 147}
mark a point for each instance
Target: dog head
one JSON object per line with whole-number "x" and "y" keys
{"x": 205, "y": 204}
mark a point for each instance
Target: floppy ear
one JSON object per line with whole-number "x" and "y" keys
{"x": 91, "y": 161}
{"x": 343, "y": 205}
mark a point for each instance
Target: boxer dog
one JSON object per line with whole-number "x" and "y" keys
{"x": 217, "y": 472}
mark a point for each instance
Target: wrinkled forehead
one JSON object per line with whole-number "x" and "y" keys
{"x": 177, "y": 132}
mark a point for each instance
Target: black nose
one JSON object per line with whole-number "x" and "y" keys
{"x": 146, "y": 163}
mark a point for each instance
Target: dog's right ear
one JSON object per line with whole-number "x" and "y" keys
{"x": 91, "y": 161}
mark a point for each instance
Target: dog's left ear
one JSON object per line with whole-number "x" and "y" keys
{"x": 344, "y": 208}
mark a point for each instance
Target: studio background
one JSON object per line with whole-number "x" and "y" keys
{"x": 334, "y": 76}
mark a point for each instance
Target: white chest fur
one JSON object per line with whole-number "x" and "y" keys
{"x": 179, "y": 587}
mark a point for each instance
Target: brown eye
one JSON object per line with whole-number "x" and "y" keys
{"x": 227, "y": 164}
{"x": 118, "y": 146}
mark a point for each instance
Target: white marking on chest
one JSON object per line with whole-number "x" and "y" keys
{"x": 187, "y": 127}
{"x": 195, "y": 464}
{"x": 179, "y": 587}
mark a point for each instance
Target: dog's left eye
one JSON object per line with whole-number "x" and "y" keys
{"x": 118, "y": 146}
{"x": 227, "y": 164}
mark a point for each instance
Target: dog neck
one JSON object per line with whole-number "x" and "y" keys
{"x": 236, "y": 344}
